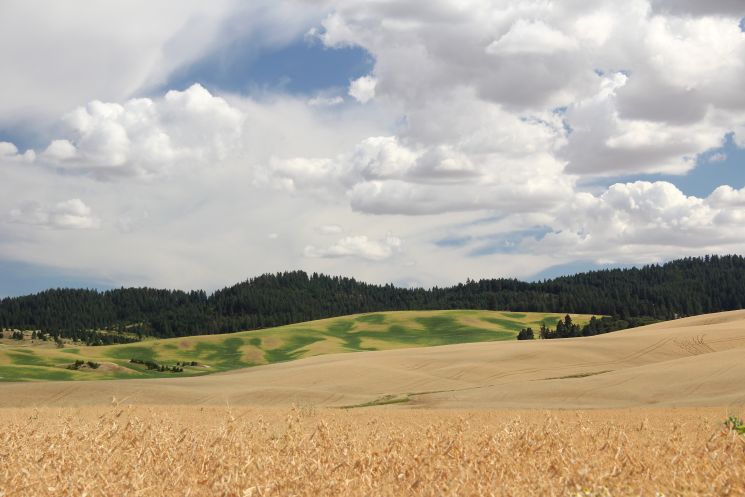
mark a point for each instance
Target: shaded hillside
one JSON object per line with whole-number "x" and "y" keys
{"x": 679, "y": 288}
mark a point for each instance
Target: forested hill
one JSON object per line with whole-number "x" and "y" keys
{"x": 678, "y": 288}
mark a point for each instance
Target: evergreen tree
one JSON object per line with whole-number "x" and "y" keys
{"x": 526, "y": 334}
{"x": 627, "y": 297}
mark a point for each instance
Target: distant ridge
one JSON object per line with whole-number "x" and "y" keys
{"x": 678, "y": 288}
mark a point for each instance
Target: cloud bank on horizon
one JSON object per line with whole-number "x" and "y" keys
{"x": 464, "y": 139}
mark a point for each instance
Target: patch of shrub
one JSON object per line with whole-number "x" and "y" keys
{"x": 733, "y": 423}
{"x": 154, "y": 366}
{"x": 80, "y": 363}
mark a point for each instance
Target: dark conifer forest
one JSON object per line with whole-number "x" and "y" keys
{"x": 675, "y": 289}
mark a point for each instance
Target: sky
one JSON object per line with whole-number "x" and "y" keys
{"x": 196, "y": 144}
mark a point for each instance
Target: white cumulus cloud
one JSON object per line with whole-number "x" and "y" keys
{"x": 497, "y": 123}
{"x": 69, "y": 214}
{"x": 359, "y": 247}
{"x": 145, "y": 137}
{"x": 632, "y": 221}
{"x": 363, "y": 89}
{"x": 531, "y": 37}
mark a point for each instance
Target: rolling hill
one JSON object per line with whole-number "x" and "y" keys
{"x": 200, "y": 355}
{"x": 695, "y": 361}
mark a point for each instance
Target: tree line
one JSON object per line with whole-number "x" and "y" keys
{"x": 678, "y": 288}
{"x": 565, "y": 328}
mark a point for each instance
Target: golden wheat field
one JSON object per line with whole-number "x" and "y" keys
{"x": 633, "y": 413}
{"x": 201, "y": 451}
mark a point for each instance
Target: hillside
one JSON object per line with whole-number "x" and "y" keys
{"x": 205, "y": 354}
{"x": 679, "y": 288}
{"x": 688, "y": 362}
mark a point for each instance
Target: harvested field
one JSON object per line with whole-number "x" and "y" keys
{"x": 188, "y": 450}
{"x": 696, "y": 361}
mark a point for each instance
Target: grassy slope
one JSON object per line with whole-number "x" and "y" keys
{"x": 377, "y": 331}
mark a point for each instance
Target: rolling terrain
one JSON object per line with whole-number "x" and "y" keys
{"x": 696, "y": 361}
{"x": 200, "y": 355}
{"x": 277, "y": 429}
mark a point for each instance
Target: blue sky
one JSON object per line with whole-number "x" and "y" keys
{"x": 220, "y": 141}
{"x": 21, "y": 278}
{"x": 302, "y": 67}
{"x": 719, "y": 166}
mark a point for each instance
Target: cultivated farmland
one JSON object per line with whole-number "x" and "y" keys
{"x": 695, "y": 361}
{"x": 302, "y": 451}
{"x": 199, "y": 355}
{"x": 373, "y": 423}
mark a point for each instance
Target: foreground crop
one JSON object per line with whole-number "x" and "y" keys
{"x": 246, "y": 452}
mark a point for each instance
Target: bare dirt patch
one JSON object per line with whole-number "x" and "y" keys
{"x": 111, "y": 367}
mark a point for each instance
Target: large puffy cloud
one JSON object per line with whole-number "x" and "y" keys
{"x": 10, "y": 153}
{"x": 489, "y": 46}
{"x": 681, "y": 73}
{"x": 687, "y": 73}
{"x": 604, "y": 142}
{"x": 383, "y": 176}
{"x": 143, "y": 137}
{"x": 481, "y": 158}
{"x": 481, "y": 117}
{"x": 644, "y": 220}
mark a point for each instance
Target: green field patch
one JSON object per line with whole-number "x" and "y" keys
{"x": 26, "y": 358}
{"x": 372, "y": 319}
{"x": 170, "y": 346}
{"x": 222, "y": 355}
{"x": 291, "y": 348}
{"x": 505, "y": 323}
{"x": 343, "y": 329}
{"x": 445, "y": 330}
{"x": 131, "y": 352}
{"x": 400, "y": 333}
{"x": 549, "y": 321}
{"x": 255, "y": 341}
{"x": 435, "y": 324}
{"x": 514, "y": 315}
{"x": 340, "y": 327}
{"x": 25, "y": 373}
{"x": 70, "y": 351}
